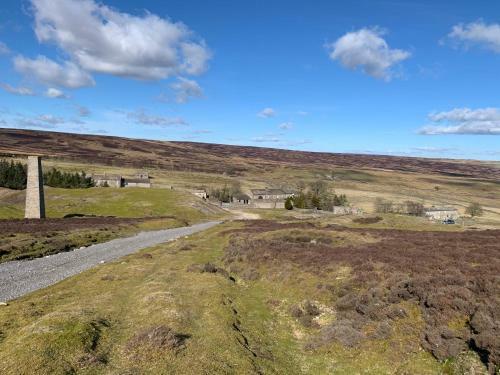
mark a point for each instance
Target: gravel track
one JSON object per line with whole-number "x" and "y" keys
{"x": 18, "y": 278}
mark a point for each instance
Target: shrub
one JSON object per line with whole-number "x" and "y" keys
{"x": 474, "y": 209}
{"x": 289, "y": 203}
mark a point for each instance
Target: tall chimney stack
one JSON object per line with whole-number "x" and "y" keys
{"x": 35, "y": 201}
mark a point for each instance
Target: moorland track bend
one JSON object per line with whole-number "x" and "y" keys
{"x": 18, "y": 278}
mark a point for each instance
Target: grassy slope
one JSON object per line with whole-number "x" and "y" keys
{"x": 129, "y": 202}
{"x": 85, "y": 324}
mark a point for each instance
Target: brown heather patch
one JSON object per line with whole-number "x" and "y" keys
{"x": 452, "y": 276}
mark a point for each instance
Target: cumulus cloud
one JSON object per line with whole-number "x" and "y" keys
{"x": 103, "y": 40}
{"x": 464, "y": 121}
{"x": 55, "y": 93}
{"x": 266, "y": 113}
{"x": 286, "y": 125}
{"x": 3, "y": 49}
{"x": 477, "y": 33}
{"x": 51, "y": 73}
{"x": 366, "y": 49}
{"x": 141, "y": 117}
{"x": 186, "y": 89}
{"x": 24, "y": 91}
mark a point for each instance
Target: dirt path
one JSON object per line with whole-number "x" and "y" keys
{"x": 18, "y": 278}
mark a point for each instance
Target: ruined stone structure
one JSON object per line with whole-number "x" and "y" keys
{"x": 35, "y": 201}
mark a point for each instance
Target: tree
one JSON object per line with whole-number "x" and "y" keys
{"x": 414, "y": 208}
{"x": 13, "y": 175}
{"x": 383, "y": 206}
{"x": 474, "y": 209}
{"x": 289, "y": 203}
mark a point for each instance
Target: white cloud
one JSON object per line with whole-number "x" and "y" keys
{"x": 51, "y": 73}
{"x": 286, "y": 125}
{"x": 366, "y": 49}
{"x": 25, "y": 91}
{"x": 141, "y": 117}
{"x": 186, "y": 89}
{"x": 266, "y": 113}
{"x": 464, "y": 121}
{"x": 477, "y": 33}
{"x": 4, "y": 49}
{"x": 104, "y": 40}
{"x": 55, "y": 93}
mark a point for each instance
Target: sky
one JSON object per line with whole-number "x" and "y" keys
{"x": 416, "y": 78}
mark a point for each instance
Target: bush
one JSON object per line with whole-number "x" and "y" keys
{"x": 474, "y": 209}
{"x": 289, "y": 203}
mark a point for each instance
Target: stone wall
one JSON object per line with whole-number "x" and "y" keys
{"x": 35, "y": 202}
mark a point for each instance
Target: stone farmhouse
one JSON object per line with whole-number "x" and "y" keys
{"x": 141, "y": 179}
{"x": 441, "y": 213}
{"x": 270, "y": 194}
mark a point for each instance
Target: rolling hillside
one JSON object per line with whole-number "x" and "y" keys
{"x": 205, "y": 157}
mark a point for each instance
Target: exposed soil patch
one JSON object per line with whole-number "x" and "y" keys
{"x": 157, "y": 337}
{"x": 453, "y": 276}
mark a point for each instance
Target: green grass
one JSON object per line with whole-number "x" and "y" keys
{"x": 129, "y": 202}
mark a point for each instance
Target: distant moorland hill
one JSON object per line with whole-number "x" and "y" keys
{"x": 207, "y": 157}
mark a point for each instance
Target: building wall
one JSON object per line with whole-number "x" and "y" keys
{"x": 441, "y": 215}
{"x": 138, "y": 184}
{"x": 111, "y": 183}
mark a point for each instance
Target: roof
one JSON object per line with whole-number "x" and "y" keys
{"x": 106, "y": 177}
{"x": 267, "y": 192}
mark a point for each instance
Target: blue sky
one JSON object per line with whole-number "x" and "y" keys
{"x": 388, "y": 77}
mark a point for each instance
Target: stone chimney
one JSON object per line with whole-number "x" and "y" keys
{"x": 35, "y": 201}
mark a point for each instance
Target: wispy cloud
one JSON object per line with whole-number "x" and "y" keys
{"x": 83, "y": 111}
{"x": 286, "y": 125}
{"x": 267, "y": 113}
{"x": 367, "y": 49}
{"x": 484, "y": 121}
{"x": 186, "y": 89}
{"x": 24, "y": 91}
{"x": 4, "y": 49}
{"x": 141, "y": 117}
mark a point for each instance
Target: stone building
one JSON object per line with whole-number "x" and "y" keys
{"x": 137, "y": 182}
{"x": 108, "y": 180}
{"x": 441, "y": 213}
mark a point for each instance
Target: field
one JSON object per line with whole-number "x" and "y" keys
{"x": 300, "y": 298}
{"x": 285, "y": 292}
